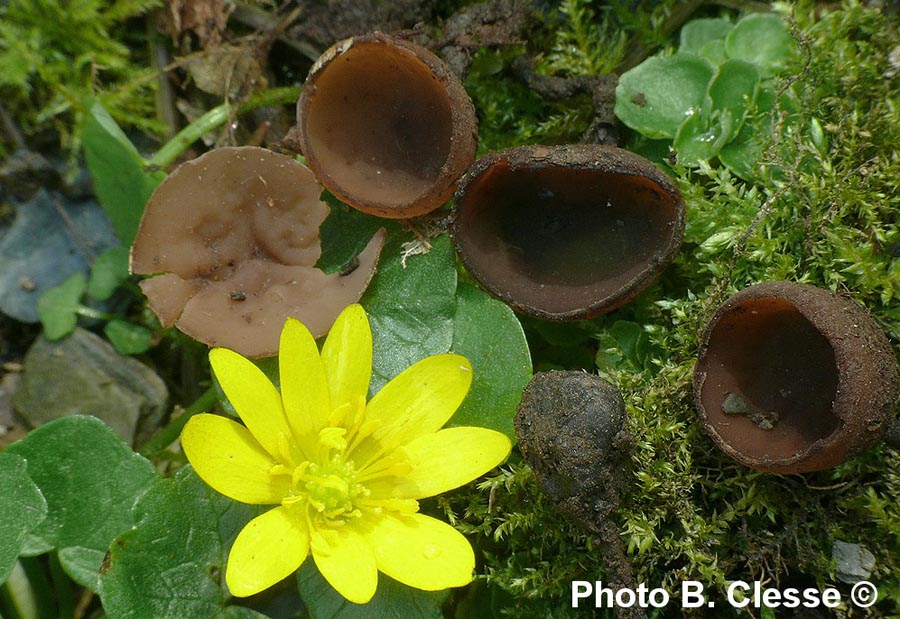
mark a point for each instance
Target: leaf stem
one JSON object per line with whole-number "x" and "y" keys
{"x": 90, "y": 312}
{"x": 216, "y": 117}
{"x": 167, "y": 435}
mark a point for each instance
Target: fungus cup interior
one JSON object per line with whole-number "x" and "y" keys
{"x": 231, "y": 239}
{"x": 379, "y": 124}
{"x": 561, "y": 239}
{"x": 764, "y": 356}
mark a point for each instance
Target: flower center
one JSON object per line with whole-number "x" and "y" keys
{"x": 330, "y": 489}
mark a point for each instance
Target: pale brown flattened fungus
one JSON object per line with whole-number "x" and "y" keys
{"x": 792, "y": 378}
{"x": 232, "y": 238}
{"x": 386, "y": 126}
{"x": 566, "y": 232}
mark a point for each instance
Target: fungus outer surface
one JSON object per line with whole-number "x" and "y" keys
{"x": 386, "y": 126}
{"x": 566, "y": 233}
{"x": 232, "y": 238}
{"x": 792, "y": 378}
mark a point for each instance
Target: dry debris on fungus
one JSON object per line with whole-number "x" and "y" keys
{"x": 231, "y": 239}
{"x": 792, "y": 378}
{"x": 386, "y": 126}
{"x": 566, "y": 232}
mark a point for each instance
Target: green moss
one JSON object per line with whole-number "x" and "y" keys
{"x": 54, "y": 53}
{"x": 826, "y": 212}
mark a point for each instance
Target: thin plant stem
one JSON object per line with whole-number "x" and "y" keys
{"x": 167, "y": 435}
{"x": 215, "y": 118}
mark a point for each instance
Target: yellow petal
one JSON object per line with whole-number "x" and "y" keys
{"x": 347, "y": 356}
{"x": 304, "y": 390}
{"x": 422, "y": 552}
{"x": 423, "y": 397}
{"x": 255, "y": 399}
{"x": 227, "y": 457}
{"x": 443, "y": 461}
{"x": 347, "y": 562}
{"x": 267, "y": 550}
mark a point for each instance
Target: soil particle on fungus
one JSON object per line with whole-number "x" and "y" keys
{"x": 570, "y": 427}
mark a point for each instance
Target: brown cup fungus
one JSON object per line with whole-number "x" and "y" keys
{"x": 566, "y": 232}
{"x": 232, "y": 238}
{"x": 386, "y": 126}
{"x": 792, "y": 378}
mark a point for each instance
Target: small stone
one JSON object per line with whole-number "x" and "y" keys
{"x": 853, "y": 562}
{"x": 734, "y": 405}
{"x": 82, "y": 374}
{"x": 765, "y": 420}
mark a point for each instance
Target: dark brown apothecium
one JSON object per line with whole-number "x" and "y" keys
{"x": 566, "y": 232}
{"x": 792, "y": 378}
{"x": 232, "y": 238}
{"x": 386, "y": 126}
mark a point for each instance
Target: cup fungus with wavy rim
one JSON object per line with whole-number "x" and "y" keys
{"x": 386, "y": 126}
{"x": 231, "y": 239}
{"x": 566, "y": 232}
{"x": 792, "y": 378}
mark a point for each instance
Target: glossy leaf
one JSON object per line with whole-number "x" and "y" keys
{"x": 488, "y": 333}
{"x": 128, "y": 338}
{"x": 22, "y": 508}
{"x": 392, "y": 600}
{"x": 656, "y": 96}
{"x": 344, "y": 233}
{"x": 71, "y": 460}
{"x": 762, "y": 39}
{"x": 108, "y": 272}
{"x": 171, "y": 565}
{"x": 57, "y": 308}
{"x": 121, "y": 182}
{"x": 410, "y": 309}
{"x": 698, "y": 33}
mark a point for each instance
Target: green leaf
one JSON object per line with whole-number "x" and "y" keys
{"x": 488, "y": 333}
{"x": 392, "y": 600}
{"x": 761, "y": 38}
{"x": 121, "y": 183}
{"x": 128, "y": 338}
{"x": 656, "y": 96}
{"x": 71, "y": 460}
{"x": 733, "y": 91}
{"x": 698, "y": 33}
{"x": 344, "y": 233}
{"x": 22, "y": 508}
{"x": 108, "y": 272}
{"x": 410, "y": 309}
{"x": 58, "y": 306}
{"x": 699, "y": 140}
{"x": 171, "y": 565}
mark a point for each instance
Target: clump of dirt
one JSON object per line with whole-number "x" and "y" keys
{"x": 570, "y": 427}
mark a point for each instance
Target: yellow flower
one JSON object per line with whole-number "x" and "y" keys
{"x": 345, "y": 474}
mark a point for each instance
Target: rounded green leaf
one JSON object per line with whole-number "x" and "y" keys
{"x": 58, "y": 306}
{"x": 698, "y": 139}
{"x": 410, "y": 304}
{"x": 108, "y": 271}
{"x": 171, "y": 565}
{"x": 71, "y": 460}
{"x": 762, "y": 39}
{"x": 488, "y": 333}
{"x": 697, "y": 33}
{"x": 22, "y": 508}
{"x": 733, "y": 91}
{"x": 656, "y": 96}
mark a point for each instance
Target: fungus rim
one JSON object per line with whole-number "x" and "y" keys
{"x": 865, "y": 394}
{"x": 463, "y": 126}
{"x": 576, "y": 157}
